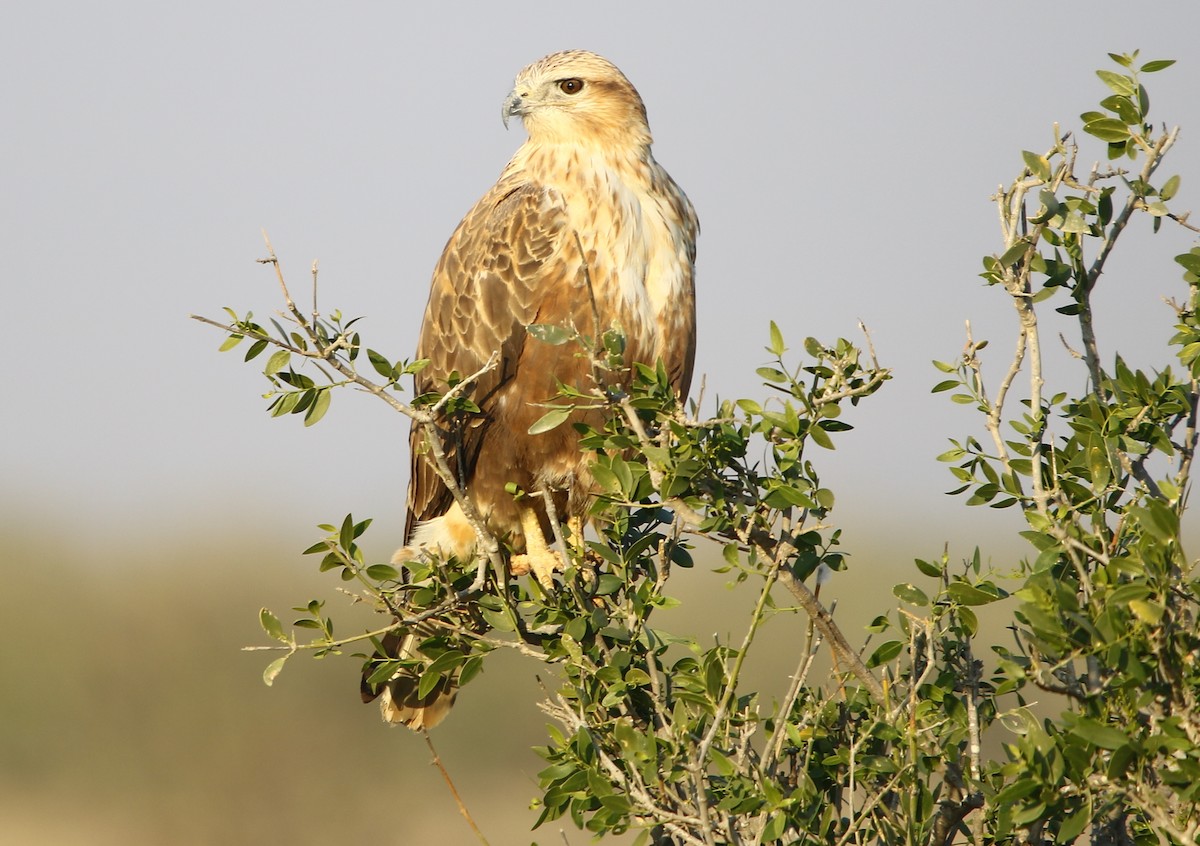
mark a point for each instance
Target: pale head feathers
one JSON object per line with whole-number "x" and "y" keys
{"x": 576, "y": 96}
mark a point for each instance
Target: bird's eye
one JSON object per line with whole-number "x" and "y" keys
{"x": 570, "y": 86}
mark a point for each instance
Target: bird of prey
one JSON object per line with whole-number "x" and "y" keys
{"x": 584, "y": 230}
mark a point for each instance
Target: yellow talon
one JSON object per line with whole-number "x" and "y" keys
{"x": 538, "y": 557}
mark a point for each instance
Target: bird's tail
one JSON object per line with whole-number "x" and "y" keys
{"x": 399, "y": 702}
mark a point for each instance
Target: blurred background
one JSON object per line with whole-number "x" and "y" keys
{"x": 841, "y": 157}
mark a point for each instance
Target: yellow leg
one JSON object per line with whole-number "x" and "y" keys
{"x": 539, "y": 558}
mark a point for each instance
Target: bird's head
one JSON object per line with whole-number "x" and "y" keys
{"x": 576, "y": 95}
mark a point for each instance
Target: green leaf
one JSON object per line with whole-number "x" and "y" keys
{"x": 273, "y": 669}
{"x": 1013, "y": 253}
{"x": 382, "y": 366}
{"x": 1075, "y": 223}
{"x": 1126, "y": 592}
{"x": 1158, "y": 520}
{"x": 429, "y": 681}
{"x": 1156, "y": 65}
{"x": 1189, "y": 261}
{"x": 1108, "y": 129}
{"x": 775, "y": 827}
{"x": 1074, "y": 824}
{"x": 272, "y": 626}
{"x": 772, "y": 374}
{"x": 820, "y": 437}
{"x": 968, "y": 594}
{"x": 255, "y": 348}
{"x": 383, "y": 671}
{"x": 1017, "y": 790}
{"x": 1170, "y": 188}
{"x": 724, "y": 766}
{"x": 1038, "y": 165}
{"x": 230, "y": 342}
{"x": 446, "y": 663}
{"x": 1126, "y": 111}
{"x": 784, "y": 497}
{"x": 549, "y": 334}
{"x": 931, "y": 570}
{"x": 1148, "y": 611}
{"x": 498, "y": 619}
{"x": 879, "y": 624}
{"x": 470, "y": 669}
{"x": 1119, "y": 83}
{"x": 278, "y": 360}
{"x": 317, "y": 410}
{"x": 1027, "y": 814}
{"x": 777, "y": 348}
{"x": 1098, "y": 734}
{"x": 551, "y": 420}
{"x": 911, "y": 594}
{"x": 382, "y": 572}
{"x": 607, "y": 480}
{"x": 884, "y": 653}
{"x": 1050, "y": 206}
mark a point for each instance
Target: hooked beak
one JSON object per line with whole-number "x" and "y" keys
{"x": 513, "y": 106}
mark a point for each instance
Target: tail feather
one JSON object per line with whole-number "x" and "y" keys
{"x": 399, "y": 703}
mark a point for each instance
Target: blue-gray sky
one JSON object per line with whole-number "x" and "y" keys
{"x": 841, "y": 157}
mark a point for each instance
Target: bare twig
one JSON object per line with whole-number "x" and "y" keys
{"x": 556, "y": 526}
{"x": 700, "y": 761}
{"x": 771, "y": 756}
{"x": 462, "y": 808}
{"x": 837, "y": 641}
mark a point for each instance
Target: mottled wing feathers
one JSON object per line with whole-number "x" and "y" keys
{"x": 677, "y": 329}
{"x": 489, "y": 284}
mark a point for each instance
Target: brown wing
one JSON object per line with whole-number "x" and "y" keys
{"x": 678, "y": 324}
{"x": 486, "y": 288}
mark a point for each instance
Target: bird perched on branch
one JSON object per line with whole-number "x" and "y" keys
{"x": 584, "y": 230}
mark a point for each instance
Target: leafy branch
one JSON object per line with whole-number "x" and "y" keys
{"x": 656, "y": 731}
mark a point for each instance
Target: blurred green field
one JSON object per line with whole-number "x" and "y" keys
{"x": 130, "y": 715}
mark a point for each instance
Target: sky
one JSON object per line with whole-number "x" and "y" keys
{"x": 841, "y": 158}
{"x": 841, "y": 163}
